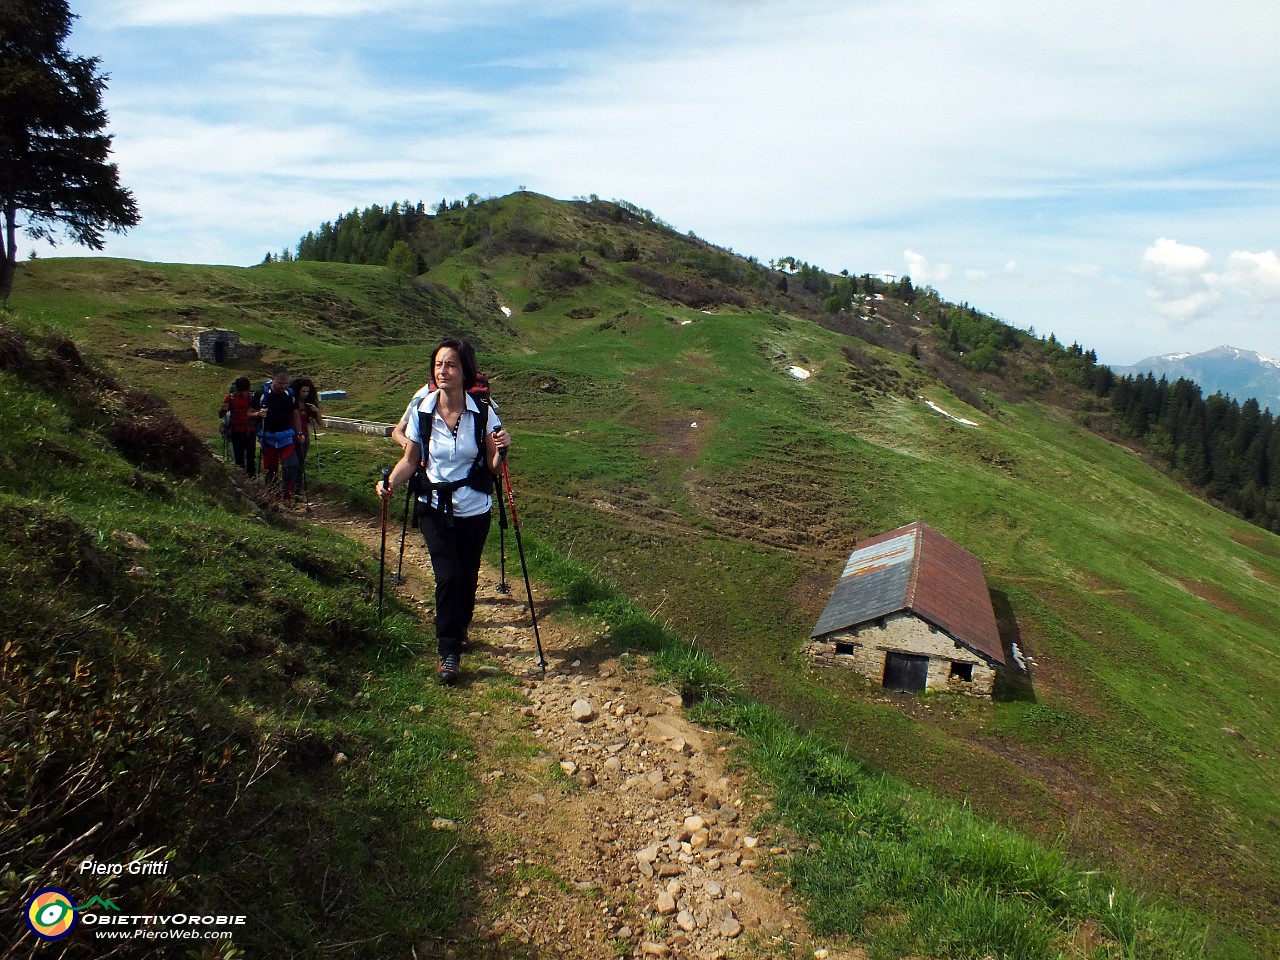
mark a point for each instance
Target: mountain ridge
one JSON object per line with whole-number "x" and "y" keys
{"x": 1233, "y": 371}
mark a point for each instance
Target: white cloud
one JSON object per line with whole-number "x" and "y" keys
{"x": 922, "y": 272}
{"x": 1180, "y": 286}
{"x": 1178, "y": 262}
{"x": 1184, "y": 287}
{"x": 777, "y": 129}
{"x": 1255, "y": 274}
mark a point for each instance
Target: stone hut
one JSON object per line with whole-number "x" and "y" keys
{"x": 213, "y": 345}
{"x": 912, "y": 612}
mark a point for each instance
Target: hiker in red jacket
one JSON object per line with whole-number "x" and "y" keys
{"x": 242, "y": 429}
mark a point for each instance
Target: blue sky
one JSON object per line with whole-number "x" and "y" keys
{"x": 1105, "y": 171}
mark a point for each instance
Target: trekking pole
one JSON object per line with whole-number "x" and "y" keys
{"x": 313, "y": 442}
{"x": 515, "y": 523}
{"x": 398, "y": 580}
{"x": 382, "y": 559}
{"x": 503, "y": 587}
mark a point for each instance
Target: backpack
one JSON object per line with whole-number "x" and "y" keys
{"x": 478, "y": 478}
{"x": 260, "y": 399}
{"x": 229, "y": 418}
{"x": 482, "y": 483}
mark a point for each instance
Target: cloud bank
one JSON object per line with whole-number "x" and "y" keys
{"x": 1185, "y": 287}
{"x": 950, "y": 139}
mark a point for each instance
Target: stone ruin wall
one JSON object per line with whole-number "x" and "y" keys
{"x": 213, "y": 345}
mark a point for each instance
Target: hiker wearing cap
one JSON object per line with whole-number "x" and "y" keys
{"x": 455, "y": 443}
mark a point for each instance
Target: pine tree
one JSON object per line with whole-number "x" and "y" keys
{"x": 402, "y": 262}
{"x": 54, "y": 165}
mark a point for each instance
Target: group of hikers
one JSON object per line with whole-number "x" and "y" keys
{"x": 273, "y": 424}
{"x": 452, "y": 449}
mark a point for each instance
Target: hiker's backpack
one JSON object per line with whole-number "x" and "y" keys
{"x": 478, "y": 478}
{"x": 229, "y": 425}
{"x": 484, "y": 400}
{"x": 260, "y": 398}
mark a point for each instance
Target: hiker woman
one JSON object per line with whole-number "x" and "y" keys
{"x": 458, "y": 442}
{"x": 243, "y": 429}
{"x": 304, "y": 391}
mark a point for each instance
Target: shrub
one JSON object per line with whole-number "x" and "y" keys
{"x": 149, "y": 435}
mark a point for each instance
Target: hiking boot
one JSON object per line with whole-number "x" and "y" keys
{"x": 449, "y": 669}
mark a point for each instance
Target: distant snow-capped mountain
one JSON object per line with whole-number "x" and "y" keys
{"x": 1238, "y": 373}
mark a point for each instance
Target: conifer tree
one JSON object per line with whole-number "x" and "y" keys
{"x": 402, "y": 262}
{"x": 55, "y": 173}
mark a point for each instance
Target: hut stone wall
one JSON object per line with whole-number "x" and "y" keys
{"x": 952, "y": 666}
{"x": 213, "y": 345}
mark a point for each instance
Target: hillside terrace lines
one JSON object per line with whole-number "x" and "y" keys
{"x": 806, "y": 542}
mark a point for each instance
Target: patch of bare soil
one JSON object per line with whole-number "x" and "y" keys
{"x": 610, "y": 826}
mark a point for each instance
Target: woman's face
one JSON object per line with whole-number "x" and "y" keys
{"x": 304, "y": 392}
{"x": 447, "y": 369}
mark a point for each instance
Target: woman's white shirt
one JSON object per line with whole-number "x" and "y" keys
{"x": 450, "y": 455}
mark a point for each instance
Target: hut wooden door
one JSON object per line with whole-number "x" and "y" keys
{"x": 905, "y": 672}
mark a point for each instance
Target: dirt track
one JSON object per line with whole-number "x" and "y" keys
{"x": 616, "y": 829}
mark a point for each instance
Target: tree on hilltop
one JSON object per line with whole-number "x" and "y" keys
{"x": 402, "y": 262}
{"x": 54, "y": 151}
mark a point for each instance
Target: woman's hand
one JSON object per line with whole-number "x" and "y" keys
{"x": 497, "y": 444}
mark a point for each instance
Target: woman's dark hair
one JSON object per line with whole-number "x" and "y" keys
{"x": 314, "y": 397}
{"x": 466, "y": 353}
{"x": 241, "y": 384}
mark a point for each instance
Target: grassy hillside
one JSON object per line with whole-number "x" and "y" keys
{"x": 663, "y": 443}
{"x": 179, "y": 671}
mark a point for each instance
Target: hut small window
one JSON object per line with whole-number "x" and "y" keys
{"x": 962, "y": 671}
{"x": 843, "y": 646}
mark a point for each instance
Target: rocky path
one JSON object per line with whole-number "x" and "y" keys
{"x": 609, "y": 825}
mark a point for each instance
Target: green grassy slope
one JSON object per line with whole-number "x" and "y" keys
{"x": 178, "y": 672}
{"x": 670, "y": 450}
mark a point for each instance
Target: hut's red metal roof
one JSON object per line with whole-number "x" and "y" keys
{"x": 915, "y": 568}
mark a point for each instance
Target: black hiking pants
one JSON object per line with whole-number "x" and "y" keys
{"x": 243, "y": 449}
{"x": 456, "y": 549}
